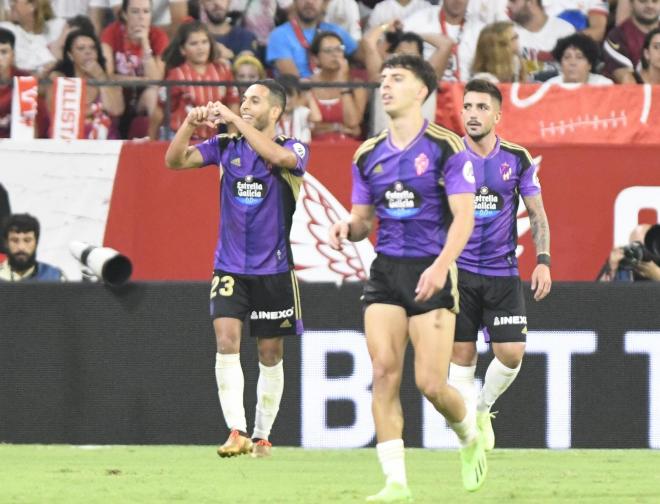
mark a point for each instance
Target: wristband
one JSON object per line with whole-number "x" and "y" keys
{"x": 543, "y": 258}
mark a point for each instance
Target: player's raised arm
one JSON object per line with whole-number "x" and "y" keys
{"x": 180, "y": 155}
{"x": 538, "y": 221}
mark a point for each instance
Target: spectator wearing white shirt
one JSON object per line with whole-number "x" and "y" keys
{"x": 578, "y": 56}
{"x": 588, "y": 16}
{"x": 388, "y": 10}
{"x": 449, "y": 20}
{"x": 487, "y": 11}
{"x": 346, "y": 15}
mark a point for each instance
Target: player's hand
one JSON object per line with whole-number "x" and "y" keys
{"x": 199, "y": 116}
{"x": 338, "y": 233}
{"x": 431, "y": 282}
{"x": 648, "y": 269}
{"x": 219, "y": 112}
{"x": 541, "y": 281}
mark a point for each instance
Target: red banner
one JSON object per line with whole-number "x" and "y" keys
{"x": 166, "y": 221}
{"x": 535, "y": 114}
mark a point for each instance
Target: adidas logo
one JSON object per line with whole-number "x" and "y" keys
{"x": 236, "y": 161}
{"x": 379, "y": 168}
{"x": 285, "y": 324}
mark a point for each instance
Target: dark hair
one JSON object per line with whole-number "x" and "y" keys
{"x": 419, "y": 67}
{"x": 172, "y": 55}
{"x": 315, "y": 46}
{"x": 124, "y": 5}
{"x": 65, "y": 65}
{"x": 580, "y": 41}
{"x": 394, "y": 39}
{"x": 290, "y": 83}
{"x": 7, "y": 37}
{"x": 21, "y": 223}
{"x": 483, "y": 86}
{"x": 647, "y": 44}
{"x": 81, "y": 22}
{"x": 277, "y": 96}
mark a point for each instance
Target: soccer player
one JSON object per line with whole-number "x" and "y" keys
{"x": 491, "y": 293}
{"x": 253, "y": 272}
{"x": 416, "y": 177}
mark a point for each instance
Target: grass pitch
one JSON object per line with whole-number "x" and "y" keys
{"x": 194, "y": 474}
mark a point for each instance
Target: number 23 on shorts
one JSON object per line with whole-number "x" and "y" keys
{"x": 226, "y": 284}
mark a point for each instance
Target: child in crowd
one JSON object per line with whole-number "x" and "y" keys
{"x": 301, "y": 112}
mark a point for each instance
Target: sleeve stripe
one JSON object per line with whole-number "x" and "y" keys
{"x": 518, "y": 148}
{"x": 448, "y": 136}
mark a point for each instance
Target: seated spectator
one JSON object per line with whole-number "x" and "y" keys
{"x": 132, "y": 48}
{"x": 538, "y": 33}
{"x": 342, "y": 109}
{"x": 587, "y": 16}
{"x": 450, "y": 20}
{"x": 627, "y": 264}
{"x": 234, "y": 39}
{"x": 7, "y": 72}
{"x": 193, "y": 56}
{"x": 387, "y": 11}
{"x": 83, "y": 58}
{"x": 288, "y": 49}
{"x": 578, "y": 56}
{"x": 248, "y": 69}
{"x": 37, "y": 31}
{"x": 497, "y": 57}
{"x": 623, "y": 46}
{"x": 650, "y": 71}
{"x": 346, "y": 15}
{"x": 301, "y": 113}
{"x": 21, "y": 236}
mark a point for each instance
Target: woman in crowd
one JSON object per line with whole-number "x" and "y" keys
{"x": 578, "y": 56}
{"x": 248, "y": 68}
{"x": 497, "y": 57}
{"x": 650, "y": 71}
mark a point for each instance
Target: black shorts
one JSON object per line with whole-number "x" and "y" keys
{"x": 393, "y": 281}
{"x": 271, "y": 302}
{"x": 496, "y": 304}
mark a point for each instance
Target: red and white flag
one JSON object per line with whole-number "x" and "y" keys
{"x": 69, "y": 104}
{"x": 24, "y": 107}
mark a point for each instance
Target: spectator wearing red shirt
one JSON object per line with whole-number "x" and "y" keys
{"x": 7, "y": 72}
{"x": 194, "y": 56}
{"x": 623, "y": 46}
{"x": 133, "y": 50}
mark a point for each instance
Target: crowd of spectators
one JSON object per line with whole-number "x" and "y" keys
{"x": 306, "y": 43}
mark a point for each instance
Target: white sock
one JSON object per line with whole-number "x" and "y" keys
{"x": 466, "y": 429}
{"x": 269, "y": 393}
{"x": 229, "y": 377}
{"x": 462, "y": 379}
{"x": 497, "y": 380}
{"x": 391, "y": 456}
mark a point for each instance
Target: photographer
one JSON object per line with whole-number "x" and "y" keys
{"x": 639, "y": 260}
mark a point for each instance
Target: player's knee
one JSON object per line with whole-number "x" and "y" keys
{"x": 385, "y": 373}
{"x": 270, "y": 355}
{"x": 510, "y": 354}
{"x": 431, "y": 387}
{"x": 464, "y": 354}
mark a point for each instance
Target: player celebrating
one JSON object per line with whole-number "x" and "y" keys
{"x": 491, "y": 293}
{"x": 412, "y": 176}
{"x": 253, "y": 263}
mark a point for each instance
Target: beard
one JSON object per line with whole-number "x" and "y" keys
{"x": 216, "y": 18}
{"x": 477, "y": 137}
{"x": 22, "y": 262}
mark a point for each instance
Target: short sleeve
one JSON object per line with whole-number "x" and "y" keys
{"x": 302, "y": 155}
{"x": 361, "y": 194}
{"x": 211, "y": 151}
{"x": 278, "y": 46}
{"x": 529, "y": 180}
{"x": 459, "y": 174}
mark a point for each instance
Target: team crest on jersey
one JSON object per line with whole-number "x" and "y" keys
{"x": 249, "y": 190}
{"x": 236, "y": 161}
{"x": 421, "y": 164}
{"x": 401, "y": 202}
{"x": 468, "y": 172}
{"x": 299, "y": 149}
{"x": 505, "y": 171}
{"x": 378, "y": 168}
{"x": 487, "y": 203}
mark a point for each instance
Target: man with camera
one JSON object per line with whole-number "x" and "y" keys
{"x": 639, "y": 260}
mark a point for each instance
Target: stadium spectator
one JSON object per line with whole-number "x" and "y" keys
{"x": 247, "y": 68}
{"x": 497, "y": 58}
{"x": 450, "y": 21}
{"x": 650, "y": 71}
{"x": 234, "y": 40}
{"x": 538, "y": 33}
{"x": 301, "y": 112}
{"x": 342, "y": 109}
{"x": 487, "y": 11}
{"x": 132, "y": 48}
{"x": 587, "y": 16}
{"x": 387, "y": 11}
{"x": 7, "y": 72}
{"x": 288, "y": 49}
{"x": 83, "y": 58}
{"x": 623, "y": 46}
{"x": 621, "y": 265}
{"x": 5, "y": 211}
{"x": 21, "y": 237}
{"x": 165, "y": 14}
{"x": 578, "y": 56}
{"x": 193, "y": 56}
{"x": 260, "y": 17}
{"x": 38, "y": 35}
{"x": 346, "y": 15}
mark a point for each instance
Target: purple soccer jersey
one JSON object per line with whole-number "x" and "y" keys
{"x": 501, "y": 178}
{"x": 257, "y": 205}
{"x": 409, "y": 188}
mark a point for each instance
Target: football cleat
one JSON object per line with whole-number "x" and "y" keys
{"x": 236, "y": 444}
{"x": 261, "y": 448}
{"x": 474, "y": 464}
{"x": 392, "y": 492}
{"x": 485, "y": 425}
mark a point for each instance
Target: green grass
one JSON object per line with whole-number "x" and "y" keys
{"x": 194, "y": 474}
